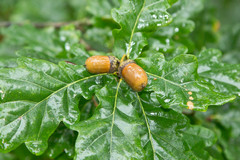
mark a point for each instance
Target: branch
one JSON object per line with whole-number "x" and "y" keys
{"x": 78, "y": 24}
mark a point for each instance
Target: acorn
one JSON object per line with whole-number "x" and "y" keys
{"x": 134, "y": 75}
{"x": 102, "y": 64}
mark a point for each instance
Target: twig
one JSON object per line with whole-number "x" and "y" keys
{"x": 94, "y": 101}
{"x": 79, "y": 24}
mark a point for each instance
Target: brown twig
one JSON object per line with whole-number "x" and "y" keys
{"x": 78, "y": 24}
{"x": 94, "y": 101}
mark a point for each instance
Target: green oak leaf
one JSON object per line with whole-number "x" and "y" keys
{"x": 36, "y": 96}
{"x": 181, "y": 13}
{"x": 128, "y": 125}
{"x": 224, "y": 121}
{"x": 136, "y": 17}
{"x": 230, "y": 119}
{"x": 61, "y": 141}
{"x": 7, "y": 156}
{"x": 8, "y": 62}
{"x": 184, "y": 141}
{"x": 166, "y": 39}
{"x": 41, "y": 11}
{"x": 102, "y": 8}
{"x": 100, "y": 39}
{"x": 176, "y": 82}
{"x": 225, "y": 77}
{"x": 231, "y": 147}
{"x": 47, "y": 43}
{"x": 109, "y": 129}
{"x": 87, "y": 107}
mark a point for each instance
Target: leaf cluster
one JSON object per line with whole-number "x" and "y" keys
{"x": 52, "y": 108}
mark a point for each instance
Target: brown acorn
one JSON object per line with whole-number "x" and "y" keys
{"x": 134, "y": 75}
{"x": 102, "y": 64}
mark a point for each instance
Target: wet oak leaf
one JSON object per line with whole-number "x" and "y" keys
{"x": 177, "y": 82}
{"x": 137, "y": 17}
{"x": 128, "y": 125}
{"x": 113, "y": 128}
{"x": 225, "y": 77}
{"x": 36, "y": 96}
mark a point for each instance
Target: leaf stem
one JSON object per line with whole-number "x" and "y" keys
{"x": 146, "y": 120}
{"x": 114, "y": 109}
{"x": 123, "y": 57}
{"x": 133, "y": 30}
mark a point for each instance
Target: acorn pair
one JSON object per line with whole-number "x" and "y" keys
{"x": 132, "y": 73}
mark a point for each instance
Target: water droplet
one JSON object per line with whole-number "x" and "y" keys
{"x": 154, "y": 16}
{"x": 91, "y": 88}
{"x": 2, "y": 94}
{"x": 159, "y": 24}
{"x": 166, "y": 16}
{"x": 62, "y": 38}
{"x": 129, "y": 47}
{"x": 239, "y": 94}
{"x": 167, "y": 41}
{"x": 176, "y": 30}
{"x": 181, "y": 80}
{"x": 6, "y": 145}
{"x": 67, "y": 46}
{"x": 167, "y": 100}
{"x": 50, "y": 155}
{"x": 98, "y": 80}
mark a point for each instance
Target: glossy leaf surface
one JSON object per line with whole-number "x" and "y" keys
{"x": 40, "y": 93}
{"x": 131, "y": 126}
{"x": 62, "y": 141}
{"x": 135, "y": 18}
{"x": 176, "y": 82}
{"x": 225, "y": 77}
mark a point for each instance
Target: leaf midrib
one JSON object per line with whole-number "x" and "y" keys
{"x": 134, "y": 27}
{"x": 166, "y": 80}
{"x": 72, "y": 83}
{"x": 148, "y": 127}
{"x": 113, "y": 117}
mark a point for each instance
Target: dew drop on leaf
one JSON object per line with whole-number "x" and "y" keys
{"x": 62, "y": 38}
{"x": 167, "y": 41}
{"x": 98, "y": 80}
{"x": 2, "y": 94}
{"x": 67, "y": 46}
{"x": 176, "y": 29}
{"x": 167, "y": 100}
